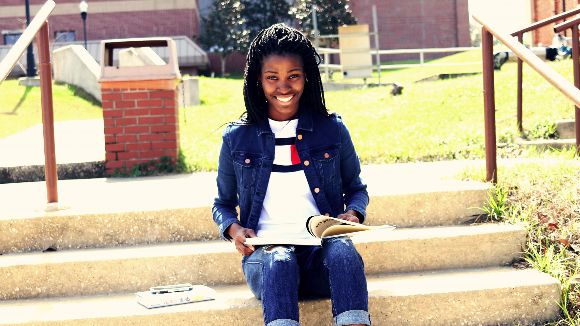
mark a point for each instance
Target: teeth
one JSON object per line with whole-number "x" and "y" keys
{"x": 284, "y": 99}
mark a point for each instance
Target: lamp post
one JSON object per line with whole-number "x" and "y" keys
{"x": 84, "y": 7}
{"x": 30, "y": 66}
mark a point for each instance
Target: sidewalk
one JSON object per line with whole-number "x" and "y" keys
{"x": 75, "y": 142}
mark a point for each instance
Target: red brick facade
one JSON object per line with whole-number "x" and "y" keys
{"x": 542, "y": 9}
{"x": 109, "y": 25}
{"x": 416, "y": 24}
{"x": 141, "y": 125}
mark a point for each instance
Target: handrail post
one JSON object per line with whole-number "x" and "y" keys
{"x": 47, "y": 114}
{"x": 489, "y": 105}
{"x": 575, "y": 58}
{"x": 520, "y": 91}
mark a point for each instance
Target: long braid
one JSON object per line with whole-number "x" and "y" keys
{"x": 281, "y": 40}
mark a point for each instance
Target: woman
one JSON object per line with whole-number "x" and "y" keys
{"x": 286, "y": 160}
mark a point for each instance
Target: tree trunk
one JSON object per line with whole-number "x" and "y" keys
{"x": 223, "y": 59}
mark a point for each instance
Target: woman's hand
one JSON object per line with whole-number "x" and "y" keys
{"x": 349, "y": 215}
{"x": 239, "y": 235}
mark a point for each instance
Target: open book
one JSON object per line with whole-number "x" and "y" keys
{"x": 320, "y": 227}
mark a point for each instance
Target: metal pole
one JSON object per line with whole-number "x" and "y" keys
{"x": 47, "y": 114}
{"x": 30, "y": 65}
{"x": 520, "y": 92}
{"x": 377, "y": 47}
{"x": 315, "y": 27}
{"x": 576, "y": 63}
{"x": 489, "y": 105}
{"x": 84, "y": 18}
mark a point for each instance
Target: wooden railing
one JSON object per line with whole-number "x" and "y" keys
{"x": 573, "y": 24}
{"x": 520, "y": 35}
{"x": 488, "y": 31}
{"x": 38, "y": 28}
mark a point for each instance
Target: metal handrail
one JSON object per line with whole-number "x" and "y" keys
{"x": 520, "y": 35}
{"x": 25, "y": 39}
{"x": 548, "y": 21}
{"x": 557, "y": 80}
{"x": 573, "y": 24}
{"x": 38, "y": 28}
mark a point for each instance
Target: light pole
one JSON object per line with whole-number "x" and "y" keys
{"x": 84, "y": 7}
{"x": 30, "y": 66}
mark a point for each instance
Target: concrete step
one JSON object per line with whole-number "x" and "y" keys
{"x": 566, "y": 129}
{"x": 469, "y": 297}
{"x": 96, "y": 213}
{"x": 102, "y": 271}
{"x": 545, "y": 144}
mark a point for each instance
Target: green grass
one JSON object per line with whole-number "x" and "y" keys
{"x": 430, "y": 121}
{"x": 20, "y": 106}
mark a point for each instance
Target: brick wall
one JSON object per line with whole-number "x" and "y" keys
{"x": 141, "y": 125}
{"x": 417, "y": 23}
{"x": 542, "y": 9}
{"x": 118, "y": 25}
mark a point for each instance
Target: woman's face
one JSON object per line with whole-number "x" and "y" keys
{"x": 282, "y": 78}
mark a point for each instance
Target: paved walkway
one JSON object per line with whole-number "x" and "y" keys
{"x": 75, "y": 142}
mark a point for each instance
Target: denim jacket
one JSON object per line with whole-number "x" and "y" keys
{"x": 326, "y": 151}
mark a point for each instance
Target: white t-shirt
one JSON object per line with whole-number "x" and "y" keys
{"x": 288, "y": 202}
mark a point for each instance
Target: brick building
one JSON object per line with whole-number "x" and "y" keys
{"x": 106, "y": 19}
{"x": 402, "y": 24}
{"x": 542, "y": 9}
{"x": 413, "y": 24}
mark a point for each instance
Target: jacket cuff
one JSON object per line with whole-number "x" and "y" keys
{"x": 223, "y": 228}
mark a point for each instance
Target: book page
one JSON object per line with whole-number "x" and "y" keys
{"x": 343, "y": 229}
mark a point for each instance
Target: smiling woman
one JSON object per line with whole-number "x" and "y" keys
{"x": 289, "y": 159}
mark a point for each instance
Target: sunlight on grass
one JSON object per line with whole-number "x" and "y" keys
{"x": 20, "y": 107}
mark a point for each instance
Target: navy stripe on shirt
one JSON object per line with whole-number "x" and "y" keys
{"x": 285, "y": 141}
{"x": 286, "y": 168}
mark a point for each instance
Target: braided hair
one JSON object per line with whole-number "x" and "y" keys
{"x": 280, "y": 39}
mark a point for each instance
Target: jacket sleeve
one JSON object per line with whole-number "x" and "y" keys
{"x": 224, "y": 207}
{"x": 355, "y": 192}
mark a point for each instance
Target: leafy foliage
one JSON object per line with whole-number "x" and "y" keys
{"x": 260, "y": 14}
{"x": 224, "y": 29}
{"x": 330, "y": 15}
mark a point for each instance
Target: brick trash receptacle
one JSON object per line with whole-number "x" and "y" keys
{"x": 140, "y": 108}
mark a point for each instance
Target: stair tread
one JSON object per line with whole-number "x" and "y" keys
{"x": 235, "y": 297}
{"x": 218, "y": 246}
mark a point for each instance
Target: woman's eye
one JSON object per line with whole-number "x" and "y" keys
{"x": 271, "y": 77}
{"x": 295, "y": 76}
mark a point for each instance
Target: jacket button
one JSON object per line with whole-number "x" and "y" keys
{"x": 299, "y": 137}
{"x": 306, "y": 163}
{"x": 326, "y": 214}
{"x": 247, "y": 161}
{"x": 316, "y": 190}
{"x": 326, "y": 155}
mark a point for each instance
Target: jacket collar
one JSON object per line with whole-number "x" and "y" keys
{"x": 304, "y": 122}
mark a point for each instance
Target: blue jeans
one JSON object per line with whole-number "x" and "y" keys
{"x": 280, "y": 275}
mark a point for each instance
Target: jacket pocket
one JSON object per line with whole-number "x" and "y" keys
{"x": 327, "y": 164}
{"x": 246, "y": 166}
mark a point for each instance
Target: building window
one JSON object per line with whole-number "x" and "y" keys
{"x": 11, "y": 37}
{"x": 65, "y": 36}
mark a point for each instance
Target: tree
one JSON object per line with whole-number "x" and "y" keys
{"x": 260, "y": 14}
{"x": 330, "y": 14}
{"x": 224, "y": 30}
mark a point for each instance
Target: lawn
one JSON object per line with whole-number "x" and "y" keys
{"x": 20, "y": 106}
{"x": 429, "y": 121}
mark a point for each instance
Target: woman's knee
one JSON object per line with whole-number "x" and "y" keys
{"x": 340, "y": 250}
